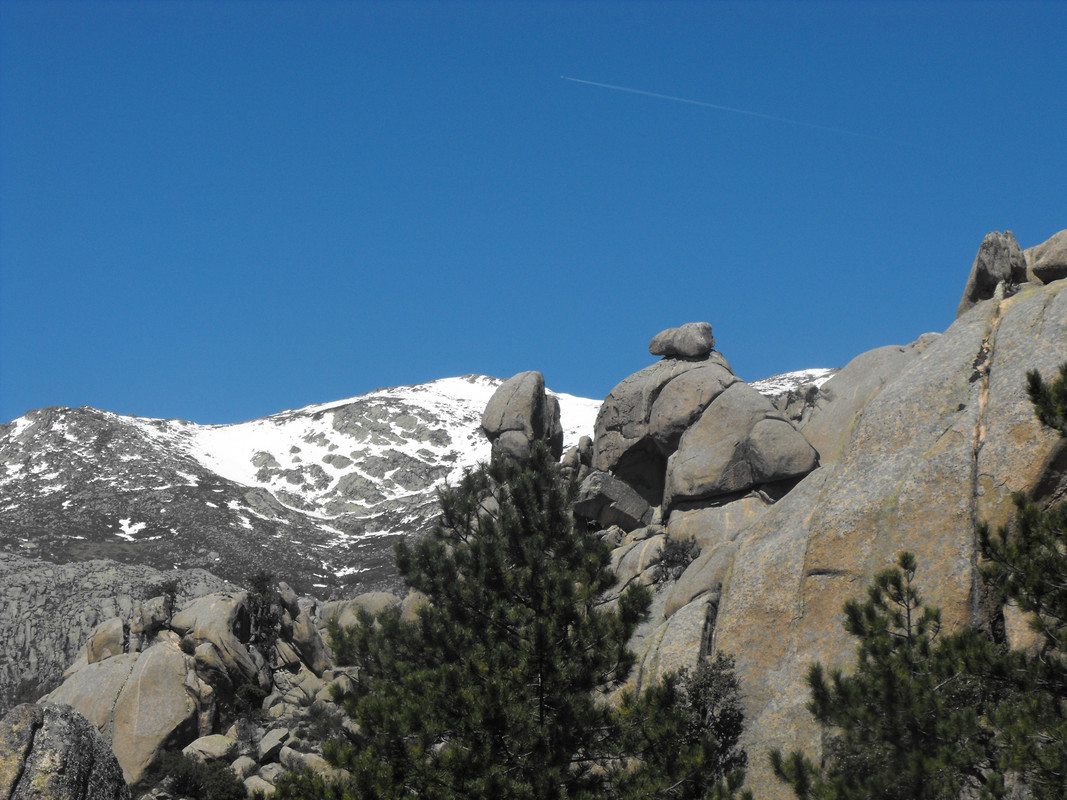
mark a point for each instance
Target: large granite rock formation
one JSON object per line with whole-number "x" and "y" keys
{"x": 687, "y": 429}
{"x": 739, "y": 442}
{"x": 643, "y": 418}
{"x": 179, "y": 685}
{"x": 905, "y": 448}
{"x": 520, "y": 413}
{"x": 940, "y": 447}
{"x": 53, "y": 752}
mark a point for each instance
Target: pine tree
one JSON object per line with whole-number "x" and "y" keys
{"x": 497, "y": 689}
{"x": 911, "y": 721}
{"x": 1027, "y": 563}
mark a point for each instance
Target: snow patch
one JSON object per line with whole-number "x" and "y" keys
{"x": 130, "y": 529}
{"x": 777, "y": 384}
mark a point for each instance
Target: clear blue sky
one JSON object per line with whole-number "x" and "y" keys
{"x": 216, "y": 211}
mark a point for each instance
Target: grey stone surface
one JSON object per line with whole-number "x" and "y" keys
{"x": 609, "y": 501}
{"x": 740, "y": 441}
{"x": 271, "y": 744}
{"x": 1047, "y": 261}
{"x": 211, "y": 747}
{"x": 221, "y": 618}
{"x": 51, "y": 752}
{"x": 107, "y": 640}
{"x": 942, "y": 445}
{"x": 838, "y": 405}
{"x": 48, "y": 611}
{"x": 691, "y": 340}
{"x": 624, "y": 443}
{"x": 999, "y": 259}
{"x": 520, "y": 413}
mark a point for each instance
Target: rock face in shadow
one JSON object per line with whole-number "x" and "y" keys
{"x": 53, "y": 752}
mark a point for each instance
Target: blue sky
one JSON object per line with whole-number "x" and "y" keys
{"x": 216, "y": 211}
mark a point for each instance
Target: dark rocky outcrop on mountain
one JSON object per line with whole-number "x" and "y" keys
{"x": 52, "y": 752}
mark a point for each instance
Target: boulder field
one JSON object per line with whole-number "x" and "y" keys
{"x": 196, "y": 680}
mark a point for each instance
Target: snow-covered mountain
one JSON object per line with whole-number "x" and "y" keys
{"x": 316, "y": 495}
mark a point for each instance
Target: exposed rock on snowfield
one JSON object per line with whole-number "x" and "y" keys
{"x": 50, "y": 751}
{"x": 325, "y": 490}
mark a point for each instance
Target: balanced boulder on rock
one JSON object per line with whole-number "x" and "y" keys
{"x": 691, "y": 340}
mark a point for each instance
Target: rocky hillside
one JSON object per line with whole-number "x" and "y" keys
{"x": 785, "y": 502}
{"x": 97, "y": 508}
{"x": 905, "y": 448}
{"x": 325, "y": 490}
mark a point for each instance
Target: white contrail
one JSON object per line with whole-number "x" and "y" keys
{"x": 717, "y": 107}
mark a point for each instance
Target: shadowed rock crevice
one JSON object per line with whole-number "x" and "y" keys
{"x": 18, "y": 768}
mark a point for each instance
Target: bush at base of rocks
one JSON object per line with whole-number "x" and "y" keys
{"x": 191, "y": 777}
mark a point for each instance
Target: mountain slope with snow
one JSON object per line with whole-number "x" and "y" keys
{"x": 317, "y": 495}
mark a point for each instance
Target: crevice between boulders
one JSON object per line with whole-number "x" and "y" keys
{"x": 35, "y": 726}
{"x": 983, "y": 365}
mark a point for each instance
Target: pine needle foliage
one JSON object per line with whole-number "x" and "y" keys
{"x": 911, "y": 721}
{"x": 1027, "y": 563}
{"x": 497, "y": 688}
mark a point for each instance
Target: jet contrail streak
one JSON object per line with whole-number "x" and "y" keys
{"x": 717, "y": 107}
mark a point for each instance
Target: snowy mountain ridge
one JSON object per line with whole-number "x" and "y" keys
{"x": 319, "y": 494}
{"x": 328, "y": 487}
